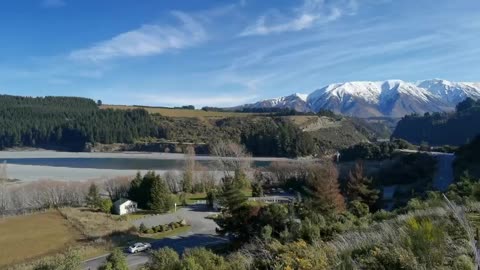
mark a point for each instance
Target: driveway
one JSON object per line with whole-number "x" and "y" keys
{"x": 202, "y": 233}
{"x": 194, "y": 215}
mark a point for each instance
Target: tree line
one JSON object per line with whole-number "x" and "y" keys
{"x": 67, "y": 122}
{"x": 455, "y": 128}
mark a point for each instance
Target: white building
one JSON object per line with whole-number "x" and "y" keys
{"x": 124, "y": 206}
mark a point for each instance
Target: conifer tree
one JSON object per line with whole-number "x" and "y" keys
{"x": 360, "y": 188}
{"x": 161, "y": 198}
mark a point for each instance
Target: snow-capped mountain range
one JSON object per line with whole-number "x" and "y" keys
{"x": 392, "y": 98}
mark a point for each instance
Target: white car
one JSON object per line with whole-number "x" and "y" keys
{"x": 139, "y": 247}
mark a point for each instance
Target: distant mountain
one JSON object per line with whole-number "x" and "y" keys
{"x": 451, "y": 92}
{"x": 392, "y": 98}
{"x": 297, "y": 102}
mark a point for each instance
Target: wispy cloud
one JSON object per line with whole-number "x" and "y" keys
{"x": 311, "y": 13}
{"x": 53, "y": 3}
{"x": 149, "y": 39}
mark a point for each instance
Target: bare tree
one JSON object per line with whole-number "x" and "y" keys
{"x": 117, "y": 187}
{"x": 189, "y": 170}
{"x": 204, "y": 178}
{"x": 279, "y": 172}
{"x": 4, "y": 195}
{"x": 173, "y": 179}
{"x": 31, "y": 196}
{"x": 231, "y": 157}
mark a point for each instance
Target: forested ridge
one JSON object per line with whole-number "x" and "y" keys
{"x": 455, "y": 128}
{"x": 67, "y": 122}
{"x": 73, "y": 123}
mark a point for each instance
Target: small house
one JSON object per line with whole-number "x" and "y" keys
{"x": 124, "y": 206}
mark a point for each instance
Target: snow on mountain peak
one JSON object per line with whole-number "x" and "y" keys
{"x": 302, "y": 96}
{"x": 379, "y": 98}
{"x": 450, "y": 92}
{"x": 368, "y": 91}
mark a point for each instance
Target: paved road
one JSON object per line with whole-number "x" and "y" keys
{"x": 444, "y": 175}
{"x": 202, "y": 233}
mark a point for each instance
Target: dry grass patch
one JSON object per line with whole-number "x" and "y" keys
{"x": 179, "y": 112}
{"x": 95, "y": 224}
{"x": 27, "y": 237}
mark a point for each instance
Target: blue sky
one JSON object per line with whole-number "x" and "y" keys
{"x": 224, "y": 53}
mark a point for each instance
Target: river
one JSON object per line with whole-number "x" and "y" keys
{"x": 40, "y": 165}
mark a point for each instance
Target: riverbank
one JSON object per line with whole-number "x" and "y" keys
{"x": 27, "y": 173}
{"x": 40, "y": 153}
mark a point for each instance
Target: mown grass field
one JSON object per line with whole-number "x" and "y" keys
{"x": 170, "y": 112}
{"x": 27, "y": 237}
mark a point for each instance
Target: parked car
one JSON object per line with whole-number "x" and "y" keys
{"x": 139, "y": 247}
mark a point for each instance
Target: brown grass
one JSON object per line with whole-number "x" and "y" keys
{"x": 95, "y": 224}
{"x": 27, "y": 237}
{"x": 179, "y": 112}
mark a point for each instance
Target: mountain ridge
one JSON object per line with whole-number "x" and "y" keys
{"x": 390, "y": 98}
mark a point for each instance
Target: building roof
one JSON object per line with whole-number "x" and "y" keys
{"x": 121, "y": 201}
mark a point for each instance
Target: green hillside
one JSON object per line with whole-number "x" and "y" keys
{"x": 455, "y": 128}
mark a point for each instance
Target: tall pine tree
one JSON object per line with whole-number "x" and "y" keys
{"x": 360, "y": 188}
{"x": 161, "y": 198}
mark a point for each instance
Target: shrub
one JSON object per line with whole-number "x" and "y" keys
{"x": 115, "y": 261}
{"x": 142, "y": 228}
{"x": 427, "y": 241}
{"x": 359, "y": 209}
{"x": 390, "y": 257}
{"x": 150, "y": 231}
{"x": 382, "y": 215}
{"x": 164, "y": 259}
{"x": 463, "y": 262}
{"x": 70, "y": 260}
{"x": 106, "y": 205}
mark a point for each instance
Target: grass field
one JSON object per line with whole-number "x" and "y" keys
{"x": 170, "y": 112}
{"x": 95, "y": 224}
{"x": 31, "y": 236}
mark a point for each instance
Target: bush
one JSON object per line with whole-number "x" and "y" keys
{"x": 427, "y": 241}
{"x": 115, "y": 261}
{"x": 390, "y": 257}
{"x": 106, "y": 205}
{"x": 164, "y": 259}
{"x": 142, "y": 228}
{"x": 359, "y": 209}
{"x": 70, "y": 260}
{"x": 382, "y": 215}
{"x": 463, "y": 262}
{"x": 150, "y": 231}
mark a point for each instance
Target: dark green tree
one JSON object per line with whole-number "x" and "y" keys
{"x": 93, "y": 198}
{"x": 257, "y": 189}
{"x": 232, "y": 196}
{"x": 360, "y": 188}
{"x": 161, "y": 197}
